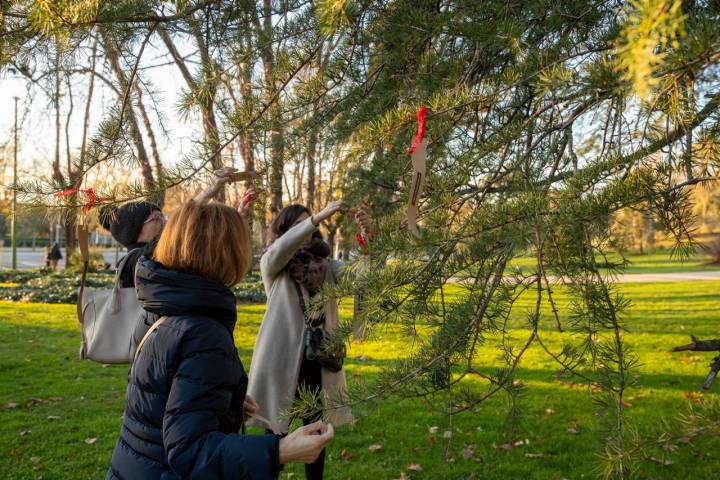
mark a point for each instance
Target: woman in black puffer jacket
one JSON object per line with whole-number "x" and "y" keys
{"x": 186, "y": 396}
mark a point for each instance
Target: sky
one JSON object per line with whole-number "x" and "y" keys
{"x": 36, "y": 117}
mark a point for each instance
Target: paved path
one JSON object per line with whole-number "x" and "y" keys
{"x": 669, "y": 277}
{"x": 29, "y": 258}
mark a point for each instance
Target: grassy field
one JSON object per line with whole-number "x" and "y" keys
{"x": 659, "y": 262}
{"x": 60, "y": 417}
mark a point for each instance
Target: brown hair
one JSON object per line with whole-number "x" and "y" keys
{"x": 211, "y": 240}
{"x": 286, "y": 220}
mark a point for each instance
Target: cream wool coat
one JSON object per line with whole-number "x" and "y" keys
{"x": 275, "y": 365}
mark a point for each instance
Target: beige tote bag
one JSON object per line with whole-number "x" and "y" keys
{"x": 107, "y": 317}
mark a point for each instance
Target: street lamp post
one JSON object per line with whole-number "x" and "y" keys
{"x": 13, "y": 223}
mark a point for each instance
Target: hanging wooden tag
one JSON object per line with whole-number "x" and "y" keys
{"x": 418, "y": 180}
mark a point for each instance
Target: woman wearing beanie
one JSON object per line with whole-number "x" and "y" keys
{"x": 138, "y": 225}
{"x": 298, "y": 262}
{"x": 187, "y": 387}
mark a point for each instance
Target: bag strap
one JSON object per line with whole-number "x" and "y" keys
{"x": 269, "y": 423}
{"x": 301, "y": 297}
{"x": 120, "y": 266}
{"x": 152, "y": 328}
{"x": 84, "y": 245}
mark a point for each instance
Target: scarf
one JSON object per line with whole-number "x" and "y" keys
{"x": 309, "y": 264}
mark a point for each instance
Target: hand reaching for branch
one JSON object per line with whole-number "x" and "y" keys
{"x": 245, "y": 207}
{"x": 222, "y": 177}
{"x": 363, "y": 220}
{"x": 305, "y": 444}
{"x": 331, "y": 209}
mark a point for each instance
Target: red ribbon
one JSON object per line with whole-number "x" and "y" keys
{"x": 89, "y": 192}
{"x": 421, "y": 129}
{"x": 362, "y": 240}
{"x": 249, "y": 197}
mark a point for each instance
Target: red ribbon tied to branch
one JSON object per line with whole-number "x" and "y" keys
{"x": 422, "y": 111}
{"x": 90, "y": 197}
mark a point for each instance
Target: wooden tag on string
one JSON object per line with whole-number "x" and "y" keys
{"x": 418, "y": 181}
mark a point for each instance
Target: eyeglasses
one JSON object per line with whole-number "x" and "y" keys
{"x": 155, "y": 216}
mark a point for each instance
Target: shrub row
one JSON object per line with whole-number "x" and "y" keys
{"x": 46, "y": 286}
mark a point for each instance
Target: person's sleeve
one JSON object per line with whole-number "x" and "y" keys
{"x": 277, "y": 256}
{"x": 195, "y": 448}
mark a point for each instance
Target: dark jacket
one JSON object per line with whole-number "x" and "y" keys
{"x": 186, "y": 389}
{"x": 135, "y": 251}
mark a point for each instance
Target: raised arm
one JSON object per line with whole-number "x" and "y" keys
{"x": 281, "y": 250}
{"x": 223, "y": 176}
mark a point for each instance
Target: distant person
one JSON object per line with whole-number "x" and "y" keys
{"x": 54, "y": 256}
{"x": 186, "y": 396}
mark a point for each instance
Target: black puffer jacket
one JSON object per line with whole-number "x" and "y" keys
{"x": 186, "y": 389}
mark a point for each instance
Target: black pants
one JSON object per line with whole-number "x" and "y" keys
{"x": 311, "y": 378}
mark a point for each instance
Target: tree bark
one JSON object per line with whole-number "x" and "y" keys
{"x": 113, "y": 57}
{"x": 207, "y": 106}
{"x": 311, "y": 151}
{"x": 160, "y": 197}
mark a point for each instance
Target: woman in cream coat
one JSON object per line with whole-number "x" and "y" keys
{"x": 278, "y": 367}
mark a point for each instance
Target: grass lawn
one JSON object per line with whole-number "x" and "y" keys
{"x": 659, "y": 262}
{"x": 60, "y": 417}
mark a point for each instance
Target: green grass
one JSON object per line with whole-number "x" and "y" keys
{"x": 659, "y": 262}
{"x": 40, "y": 372}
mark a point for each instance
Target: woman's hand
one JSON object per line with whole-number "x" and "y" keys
{"x": 245, "y": 207}
{"x": 327, "y": 212}
{"x": 305, "y": 444}
{"x": 250, "y": 406}
{"x": 363, "y": 220}
{"x": 222, "y": 177}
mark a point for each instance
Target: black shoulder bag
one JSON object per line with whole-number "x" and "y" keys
{"x": 316, "y": 340}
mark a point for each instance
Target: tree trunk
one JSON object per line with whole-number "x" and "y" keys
{"x": 160, "y": 197}
{"x": 650, "y": 223}
{"x": 277, "y": 162}
{"x": 312, "y": 147}
{"x": 113, "y": 57}
{"x": 88, "y": 103}
{"x": 207, "y": 106}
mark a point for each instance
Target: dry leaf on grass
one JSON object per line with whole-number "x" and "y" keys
{"x": 90, "y": 441}
{"x": 468, "y": 451}
{"x": 415, "y": 467}
{"x": 9, "y": 405}
{"x": 53, "y": 417}
{"x": 433, "y": 430}
{"x": 346, "y": 455}
{"x": 374, "y": 447}
{"x": 533, "y": 455}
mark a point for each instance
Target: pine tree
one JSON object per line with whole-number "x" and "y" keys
{"x": 545, "y": 119}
